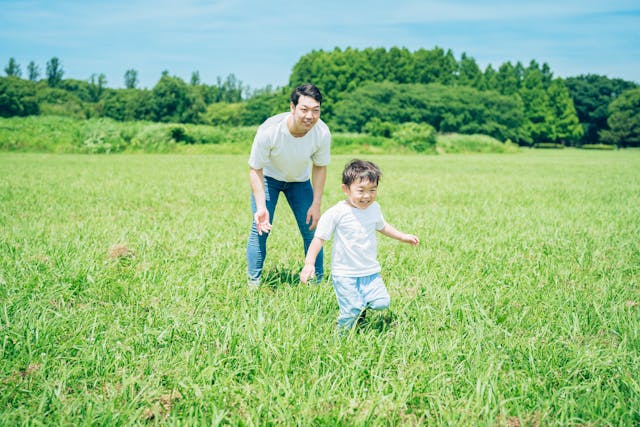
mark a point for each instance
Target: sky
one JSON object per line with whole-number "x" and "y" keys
{"x": 259, "y": 41}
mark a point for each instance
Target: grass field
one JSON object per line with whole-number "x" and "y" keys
{"x": 123, "y": 300}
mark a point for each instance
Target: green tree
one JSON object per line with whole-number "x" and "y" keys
{"x": 97, "y": 86}
{"x": 567, "y": 129}
{"x": 54, "y": 72}
{"x": 539, "y": 116}
{"x": 469, "y": 73}
{"x": 624, "y": 120}
{"x": 130, "y": 79}
{"x": 17, "y": 97}
{"x": 173, "y": 102}
{"x": 591, "y": 96}
{"x": 34, "y": 71}
{"x": 195, "y": 78}
{"x": 507, "y": 79}
{"x": 490, "y": 78}
{"x": 231, "y": 89}
{"x": 13, "y": 69}
{"x": 128, "y": 104}
{"x": 258, "y": 108}
{"x": 446, "y": 108}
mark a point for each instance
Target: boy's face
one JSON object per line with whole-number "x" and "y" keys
{"x": 361, "y": 194}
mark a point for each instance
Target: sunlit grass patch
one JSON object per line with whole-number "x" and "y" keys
{"x": 123, "y": 296}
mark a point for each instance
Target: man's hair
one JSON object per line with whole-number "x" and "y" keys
{"x": 306, "y": 90}
{"x": 361, "y": 170}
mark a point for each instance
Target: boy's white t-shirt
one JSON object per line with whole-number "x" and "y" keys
{"x": 355, "y": 244}
{"x": 285, "y": 157}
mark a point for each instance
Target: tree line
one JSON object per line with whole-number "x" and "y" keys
{"x": 372, "y": 90}
{"x": 526, "y": 104}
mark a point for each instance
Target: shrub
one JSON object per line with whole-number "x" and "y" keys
{"x": 547, "y": 145}
{"x": 459, "y": 143}
{"x": 377, "y": 127}
{"x": 421, "y": 138}
{"x": 102, "y": 136}
{"x": 598, "y": 147}
{"x": 153, "y": 138}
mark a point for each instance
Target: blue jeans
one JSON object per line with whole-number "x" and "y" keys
{"x": 299, "y": 196}
{"x": 356, "y": 294}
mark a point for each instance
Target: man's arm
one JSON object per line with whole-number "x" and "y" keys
{"x": 261, "y": 217}
{"x": 318, "y": 178}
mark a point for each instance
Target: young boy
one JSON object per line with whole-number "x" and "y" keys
{"x": 355, "y": 269}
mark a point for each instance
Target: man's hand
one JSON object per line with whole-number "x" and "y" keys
{"x": 261, "y": 217}
{"x": 313, "y": 216}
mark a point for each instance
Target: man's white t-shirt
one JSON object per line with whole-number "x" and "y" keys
{"x": 355, "y": 244}
{"x": 285, "y": 157}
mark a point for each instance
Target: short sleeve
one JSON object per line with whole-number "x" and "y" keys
{"x": 260, "y": 150}
{"x": 322, "y": 156}
{"x": 326, "y": 225}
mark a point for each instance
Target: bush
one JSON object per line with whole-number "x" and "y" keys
{"x": 102, "y": 136}
{"x": 421, "y": 138}
{"x": 547, "y": 145}
{"x": 357, "y": 143}
{"x": 458, "y": 143}
{"x": 377, "y": 127}
{"x": 151, "y": 138}
{"x": 598, "y": 147}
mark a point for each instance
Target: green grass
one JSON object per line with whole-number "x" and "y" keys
{"x": 123, "y": 300}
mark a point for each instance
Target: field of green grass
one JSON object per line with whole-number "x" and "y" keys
{"x": 123, "y": 297}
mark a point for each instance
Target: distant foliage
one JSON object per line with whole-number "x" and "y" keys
{"x": 13, "y": 69}
{"x": 54, "y": 72}
{"x": 464, "y": 144}
{"x": 624, "y": 120}
{"x": 68, "y": 135}
{"x": 592, "y": 94}
{"x": 546, "y": 114}
{"x": 446, "y": 108}
{"x": 370, "y": 90}
{"x": 420, "y": 138}
{"x": 17, "y": 98}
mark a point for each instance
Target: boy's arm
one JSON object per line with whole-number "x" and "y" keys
{"x": 309, "y": 262}
{"x": 390, "y": 231}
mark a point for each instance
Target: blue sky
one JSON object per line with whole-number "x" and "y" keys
{"x": 260, "y": 41}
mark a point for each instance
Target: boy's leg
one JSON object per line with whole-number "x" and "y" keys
{"x": 300, "y": 196}
{"x": 375, "y": 292}
{"x": 350, "y": 301}
{"x": 257, "y": 244}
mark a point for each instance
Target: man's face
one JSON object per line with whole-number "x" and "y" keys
{"x": 305, "y": 114}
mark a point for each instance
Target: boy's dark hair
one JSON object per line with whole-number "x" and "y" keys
{"x": 306, "y": 90}
{"x": 361, "y": 170}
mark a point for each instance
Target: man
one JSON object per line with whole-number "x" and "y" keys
{"x": 282, "y": 150}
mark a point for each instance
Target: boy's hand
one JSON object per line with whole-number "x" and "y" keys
{"x": 307, "y": 272}
{"x": 411, "y": 239}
